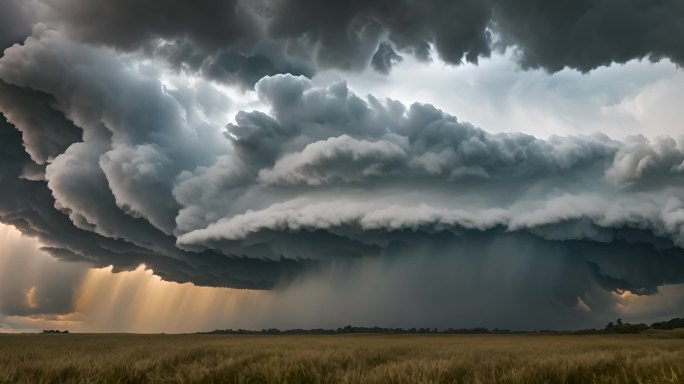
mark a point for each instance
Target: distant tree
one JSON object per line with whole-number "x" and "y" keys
{"x": 670, "y": 324}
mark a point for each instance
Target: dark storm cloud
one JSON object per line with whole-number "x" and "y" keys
{"x": 325, "y": 175}
{"x": 112, "y": 164}
{"x": 129, "y": 24}
{"x": 45, "y": 129}
{"x": 241, "y": 41}
{"x": 332, "y": 176}
{"x": 221, "y": 39}
{"x": 16, "y": 21}
{"x": 470, "y": 281}
{"x": 67, "y": 116}
{"x": 241, "y": 67}
{"x": 341, "y": 32}
{"x": 342, "y": 29}
{"x": 586, "y": 34}
{"x": 384, "y": 58}
{"x": 30, "y": 207}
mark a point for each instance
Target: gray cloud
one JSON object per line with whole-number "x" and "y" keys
{"x": 471, "y": 283}
{"x": 16, "y": 21}
{"x": 45, "y": 130}
{"x": 138, "y": 170}
{"x": 336, "y": 159}
{"x": 590, "y": 33}
{"x": 209, "y": 23}
{"x": 243, "y": 67}
{"x": 96, "y": 200}
{"x": 385, "y": 58}
{"x": 643, "y": 161}
{"x": 327, "y": 188}
{"x": 241, "y": 41}
{"x": 30, "y": 207}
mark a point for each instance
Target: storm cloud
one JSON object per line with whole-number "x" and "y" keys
{"x": 587, "y": 34}
{"x": 116, "y": 148}
{"x": 325, "y": 176}
{"x": 16, "y": 22}
{"x": 241, "y": 41}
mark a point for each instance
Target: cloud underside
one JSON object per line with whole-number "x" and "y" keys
{"x": 109, "y": 156}
{"x": 113, "y": 167}
{"x": 241, "y": 41}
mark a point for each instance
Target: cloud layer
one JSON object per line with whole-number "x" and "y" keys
{"x": 324, "y": 176}
{"x": 112, "y": 156}
{"x": 241, "y": 41}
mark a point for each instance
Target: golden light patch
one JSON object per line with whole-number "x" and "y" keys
{"x": 139, "y": 301}
{"x": 31, "y": 298}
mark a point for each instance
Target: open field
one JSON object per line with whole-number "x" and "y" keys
{"x": 652, "y": 357}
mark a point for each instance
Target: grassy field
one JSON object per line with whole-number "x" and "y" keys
{"x": 654, "y": 357}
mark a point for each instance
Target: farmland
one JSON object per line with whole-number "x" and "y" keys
{"x": 649, "y": 357}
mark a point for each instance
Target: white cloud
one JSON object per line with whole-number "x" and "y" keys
{"x": 638, "y": 97}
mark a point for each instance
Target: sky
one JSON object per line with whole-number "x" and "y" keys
{"x": 180, "y": 167}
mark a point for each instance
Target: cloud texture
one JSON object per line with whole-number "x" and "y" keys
{"x": 242, "y": 41}
{"x": 111, "y": 156}
{"x": 324, "y": 175}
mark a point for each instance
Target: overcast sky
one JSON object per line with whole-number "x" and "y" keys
{"x": 498, "y": 163}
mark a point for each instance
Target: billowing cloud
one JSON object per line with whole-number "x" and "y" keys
{"x": 324, "y": 176}
{"x": 339, "y": 158}
{"x": 300, "y": 34}
{"x": 590, "y": 33}
{"x": 241, "y": 41}
{"x": 110, "y": 159}
{"x": 46, "y": 195}
{"x": 644, "y": 161}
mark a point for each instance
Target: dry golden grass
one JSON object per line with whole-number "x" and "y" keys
{"x": 655, "y": 357}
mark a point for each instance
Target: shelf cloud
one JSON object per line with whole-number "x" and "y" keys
{"x": 115, "y": 149}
